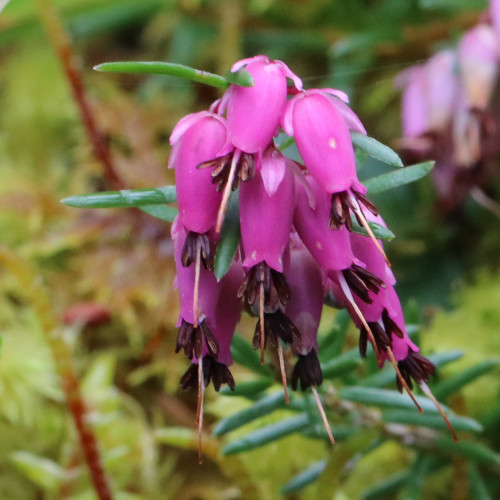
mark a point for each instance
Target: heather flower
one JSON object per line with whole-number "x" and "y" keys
{"x": 304, "y": 310}
{"x": 324, "y": 143}
{"x": 479, "y": 53}
{"x": 195, "y": 139}
{"x": 198, "y": 299}
{"x": 253, "y": 113}
{"x": 266, "y": 219}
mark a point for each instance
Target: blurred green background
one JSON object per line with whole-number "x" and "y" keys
{"x": 113, "y": 269}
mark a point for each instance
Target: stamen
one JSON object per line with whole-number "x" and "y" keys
{"x": 401, "y": 379}
{"x": 362, "y": 220}
{"x": 282, "y": 370}
{"x": 196, "y": 283}
{"x": 323, "y": 414}
{"x": 262, "y": 325}
{"x": 199, "y": 409}
{"x": 227, "y": 190}
{"x": 350, "y": 298}
{"x": 431, "y": 396}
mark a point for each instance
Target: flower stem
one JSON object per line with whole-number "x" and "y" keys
{"x": 62, "y": 45}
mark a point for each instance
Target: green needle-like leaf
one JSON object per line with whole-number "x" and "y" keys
{"x": 388, "y": 375}
{"x": 163, "y": 212}
{"x": 262, "y": 407}
{"x": 376, "y": 149}
{"x": 165, "y": 68}
{"x": 386, "y": 488}
{"x": 380, "y": 232}
{"x": 244, "y": 354}
{"x": 251, "y": 389}
{"x": 385, "y": 398}
{"x": 470, "y": 450}
{"x": 123, "y": 198}
{"x": 267, "y": 434}
{"x": 397, "y": 178}
{"x": 431, "y": 420}
{"x": 229, "y": 238}
{"x": 461, "y": 379}
{"x": 304, "y": 478}
{"x": 340, "y": 366}
{"x": 477, "y": 486}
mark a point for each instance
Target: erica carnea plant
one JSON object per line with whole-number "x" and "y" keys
{"x": 301, "y": 230}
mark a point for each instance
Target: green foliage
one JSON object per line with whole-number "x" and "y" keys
{"x": 120, "y": 260}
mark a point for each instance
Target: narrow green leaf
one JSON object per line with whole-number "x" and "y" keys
{"x": 164, "y": 68}
{"x": 415, "y": 484}
{"x": 340, "y": 432}
{"x": 43, "y": 472}
{"x": 123, "y": 198}
{"x": 468, "y": 449}
{"x": 386, "y": 488}
{"x": 244, "y": 354}
{"x": 380, "y": 232}
{"x": 431, "y": 420}
{"x": 477, "y": 485}
{"x": 397, "y": 178}
{"x": 304, "y": 478}
{"x": 340, "y": 366}
{"x": 330, "y": 345}
{"x": 229, "y": 238}
{"x": 385, "y": 398}
{"x": 387, "y": 375}
{"x": 376, "y": 149}
{"x": 461, "y": 379}
{"x": 267, "y": 434}
{"x": 163, "y": 212}
{"x": 262, "y": 407}
{"x": 242, "y": 78}
{"x": 250, "y": 389}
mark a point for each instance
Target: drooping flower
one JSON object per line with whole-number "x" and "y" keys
{"x": 254, "y": 113}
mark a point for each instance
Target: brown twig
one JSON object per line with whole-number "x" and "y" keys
{"x": 61, "y": 43}
{"x": 64, "y": 365}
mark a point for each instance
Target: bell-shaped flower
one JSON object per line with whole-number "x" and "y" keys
{"x": 266, "y": 220}
{"x": 253, "y": 113}
{"x": 331, "y": 249}
{"x": 197, "y": 138}
{"x": 198, "y": 300}
{"x": 323, "y": 140}
{"x": 479, "y": 53}
{"x": 304, "y": 310}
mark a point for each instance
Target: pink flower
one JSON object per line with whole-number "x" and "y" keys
{"x": 478, "y": 53}
{"x": 331, "y": 249}
{"x": 266, "y": 220}
{"x": 323, "y": 140}
{"x": 197, "y": 138}
{"x": 253, "y": 113}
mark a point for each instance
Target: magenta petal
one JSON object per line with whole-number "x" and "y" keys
{"x": 331, "y": 249}
{"x": 208, "y": 286}
{"x": 273, "y": 170}
{"x": 266, "y": 221}
{"x": 350, "y": 117}
{"x": 306, "y": 303}
{"x": 228, "y": 311}
{"x": 197, "y": 198}
{"x": 415, "y": 114}
{"x": 478, "y": 54}
{"x": 249, "y": 60}
{"x": 324, "y": 142}
{"x": 253, "y": 113}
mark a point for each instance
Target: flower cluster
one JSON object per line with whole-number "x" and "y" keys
{"x": 297, "y": 241}
{"x": 446, "y": 110}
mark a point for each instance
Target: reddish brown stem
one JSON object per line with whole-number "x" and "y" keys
{"x": 62, "y": 358}
{"x": 61, "y": 43}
